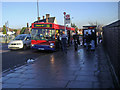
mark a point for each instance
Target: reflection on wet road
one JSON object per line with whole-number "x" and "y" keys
{"x": 59, "y": 70}
{"x": 11, "y": 59}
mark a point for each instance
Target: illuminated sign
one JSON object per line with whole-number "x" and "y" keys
{"x": 91, "y": 27}
{"x": 43, "y": 25}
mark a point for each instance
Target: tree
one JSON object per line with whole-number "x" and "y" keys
{"x": 23, "y": 30}
{"x": 74, "y": 26}
{"x": 98, "y": 25}
{"x": 4, "y": 30}
{"x": 15, "y": 30}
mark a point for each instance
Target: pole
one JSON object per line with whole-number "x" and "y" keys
{"x": 7, "y": 26}
{"x": 71, "y": 22}
{"x": 64, "y": 22}
{"x": 38, "y": 9}
{"x": 65, "y": 25}
{"x": 6, "y": 33}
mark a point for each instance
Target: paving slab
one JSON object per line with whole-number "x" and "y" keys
{"x": 81, "y": 69}
{"x": 10, "y": 85}
{"x": 14, "y": 81}
{"x": 79, "y": 84}
{"x": 103, "y": 84}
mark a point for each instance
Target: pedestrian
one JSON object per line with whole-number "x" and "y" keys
{"x": 93, "y": 37}
{"x": 58, "y": 45}
{"x": 76, "y": 40}
{"x": 69, "y": 43}
{"x": 64, "y": 42}
{"x": 100, "y": 39}
{"x": 88, "y": 40}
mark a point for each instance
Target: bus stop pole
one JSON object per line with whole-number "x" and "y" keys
{"x": 65, "y": 22}
{"x": 65, "y": 26}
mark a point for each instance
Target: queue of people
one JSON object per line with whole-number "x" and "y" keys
{"x": 63, "y": 41}
{"x": 76, "y": 41}
{"x": 90, "y": 41}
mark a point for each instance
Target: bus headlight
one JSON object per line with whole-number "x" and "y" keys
{"x": 51, "y": 44}
{"x": 32, "y": 45}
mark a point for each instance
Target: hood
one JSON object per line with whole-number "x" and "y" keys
{"x": 16, "y": 41}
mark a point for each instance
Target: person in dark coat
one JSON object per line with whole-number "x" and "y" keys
{"x": 76, "y": 38}
{"x": 58, "y": 41}
{"x": 93, "y": 37}
{"x": 88, "y": 40}
{"x": 64, "y": 42}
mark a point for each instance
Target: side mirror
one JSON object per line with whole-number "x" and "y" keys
{"x": 27, "y": 39}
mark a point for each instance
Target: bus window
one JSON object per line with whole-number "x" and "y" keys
{"x": 61, "y": 31}
{"x": 43, "y": 34}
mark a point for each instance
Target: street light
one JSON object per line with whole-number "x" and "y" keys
{"x": 38, "y": 10}
{"x": 71, "y": 21}
{"x": 65, "y": 22}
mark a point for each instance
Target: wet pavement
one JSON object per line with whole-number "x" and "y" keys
{"x": 16, "y": 58}
{"x": 81, "y": 69}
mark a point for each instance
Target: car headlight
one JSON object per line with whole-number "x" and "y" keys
{"x": 18, "y": 44}
{"x": 32, "y": 45}
{"x": 51, "y": 44}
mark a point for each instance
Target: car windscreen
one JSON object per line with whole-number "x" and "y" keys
{"x": 20, "y": 37}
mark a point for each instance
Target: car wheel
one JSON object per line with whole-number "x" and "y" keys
{"x": 24, "y": 47}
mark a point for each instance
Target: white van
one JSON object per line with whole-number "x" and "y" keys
{"x": 22, "y": 41}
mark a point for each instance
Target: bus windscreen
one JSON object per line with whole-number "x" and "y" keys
{"x": 43, "y": 34}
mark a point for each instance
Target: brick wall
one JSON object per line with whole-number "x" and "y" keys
{"x": 111, "y": 41}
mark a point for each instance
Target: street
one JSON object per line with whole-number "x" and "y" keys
{"x": 76, "y": 69}
{"x": 12, "y": 59}
{"x": 69, "y": 45}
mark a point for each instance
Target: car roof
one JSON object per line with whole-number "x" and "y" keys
{"x": 24, "y": 35}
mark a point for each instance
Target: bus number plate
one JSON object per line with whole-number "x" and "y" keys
{"x": 40, "y": 48}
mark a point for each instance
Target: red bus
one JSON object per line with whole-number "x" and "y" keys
{"x": 44, "y": 35}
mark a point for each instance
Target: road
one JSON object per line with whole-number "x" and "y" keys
{"x": 76, "y": 69}
{"x": 11, "y": 59}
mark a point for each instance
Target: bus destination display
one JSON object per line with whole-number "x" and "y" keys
{"x": 43, "y": 25}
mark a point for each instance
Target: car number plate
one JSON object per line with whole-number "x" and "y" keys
{"x": 40, "y": 48}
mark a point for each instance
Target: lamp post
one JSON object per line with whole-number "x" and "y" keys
{"x": 38, "y": 10}
{"x": 65, "y": 22}
{"x": 71, "y": 21}
{"x": 6, "y": 24}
